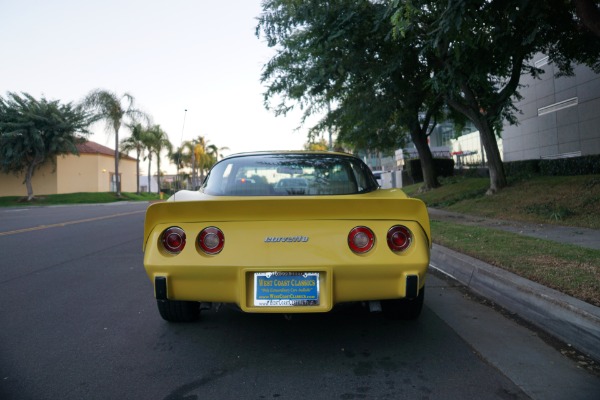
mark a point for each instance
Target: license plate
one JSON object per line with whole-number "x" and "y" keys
{"x": 286, "y": 289}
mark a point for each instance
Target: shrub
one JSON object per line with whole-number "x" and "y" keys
{"x": 444, "y": 167}
{"x": 586, "y": 165}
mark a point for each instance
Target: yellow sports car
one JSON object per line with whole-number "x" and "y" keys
{"x": 288, "y": 232}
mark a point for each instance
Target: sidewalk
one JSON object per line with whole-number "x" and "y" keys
{"x": 583, "y": 237}
{"x": 570, "y": 320}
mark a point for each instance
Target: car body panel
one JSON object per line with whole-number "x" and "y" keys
{"x": 287, "y": 234}
{"x": 324, "y": 221}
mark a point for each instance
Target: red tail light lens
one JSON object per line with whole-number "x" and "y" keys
{"x": 361, "y": 239}
{"x": 173, "y": 239}
{"x": 211, "y": 240}
{"x": 399, "y": 238}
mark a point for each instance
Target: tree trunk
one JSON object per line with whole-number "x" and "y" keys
{"x": 193, "y": 170}
{"x": 487, "y": 137}
{"x": 117, "y": 178}
{"x": 37, "y": 160}
{"x": 137, "y": 172}
{"x": 430, "y": 180}
{"x": 28, "y": 176}
{"x": 158, "y": 174}
{"x": 149, "y": 174}
{"x": 495, "y": 166}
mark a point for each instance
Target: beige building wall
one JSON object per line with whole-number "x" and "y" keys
{"x": 43, "y": 182}
{"x": 77, "y": 174}
{"x": 127, "y": 169}
{"x": 93, "y": 172}
{"x": 84, "y": 173}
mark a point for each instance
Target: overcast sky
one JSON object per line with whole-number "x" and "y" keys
{"x": 199, "y": 55}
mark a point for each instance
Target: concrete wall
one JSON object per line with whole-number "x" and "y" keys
{"x": 560, "y": 116}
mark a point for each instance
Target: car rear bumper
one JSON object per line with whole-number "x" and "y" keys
{"x": 336, "y": 285}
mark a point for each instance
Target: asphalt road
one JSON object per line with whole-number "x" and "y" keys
{"x": 78, "y": 321}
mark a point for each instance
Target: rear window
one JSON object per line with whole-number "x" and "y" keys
{"x": 290, "y": 174}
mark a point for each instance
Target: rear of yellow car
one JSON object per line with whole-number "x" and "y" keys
{"x": 288, "y": 254}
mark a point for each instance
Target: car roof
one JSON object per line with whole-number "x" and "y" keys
{"x": 289, "y": 152}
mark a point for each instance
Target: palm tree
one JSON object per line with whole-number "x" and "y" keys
{"x": 113, "y": 109}
{"x": 178, "y": 157}
{"x": 188, "y": 158}
{"x": 158, "y": 140}
{"x": 135, "y": 142}
{"x": 204, "y": 156}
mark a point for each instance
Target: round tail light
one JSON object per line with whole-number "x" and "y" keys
{"x": 211, "y": 240}
{"x": 173, "y": 239}
{"x": 399, "y": 238}
{"x": 361, "y": 239}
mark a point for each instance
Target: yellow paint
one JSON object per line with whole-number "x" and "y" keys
{"x": 325, "y": 221}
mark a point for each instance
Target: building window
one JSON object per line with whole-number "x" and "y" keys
{"x": 541, "y": 62}
{"x": 558, "y": 106}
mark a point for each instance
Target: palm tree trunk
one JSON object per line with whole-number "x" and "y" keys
{"x": 117, "y": 178}
{"x": 137, "y": 172}
{"x": 158, "y": 174}
{"x": 149, "y": 174}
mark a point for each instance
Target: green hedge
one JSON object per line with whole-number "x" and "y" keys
{"x": 443, "y": 167}
{"x": 585, "y": 165}
{"x": 523, "y": 168}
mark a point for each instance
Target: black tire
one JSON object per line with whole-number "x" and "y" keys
{"x": 404, "y": 309}
{"x": 178, "y": 311}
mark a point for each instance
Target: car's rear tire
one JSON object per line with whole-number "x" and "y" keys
{"x": 178, "y": 311}
{"x": 404, "y": 309}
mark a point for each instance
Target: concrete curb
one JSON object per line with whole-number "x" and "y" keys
{"x": 573, "y": 321}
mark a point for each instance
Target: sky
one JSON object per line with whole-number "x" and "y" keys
{"x": 201, "y": 56}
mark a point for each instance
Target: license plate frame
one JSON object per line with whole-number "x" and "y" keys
{"x": 286, "y": 289}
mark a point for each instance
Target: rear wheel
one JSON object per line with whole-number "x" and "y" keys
{"x": 178, "y": 311}
{"x": 404, "y": 309}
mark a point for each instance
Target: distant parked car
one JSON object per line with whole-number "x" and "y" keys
{"x": 245, "y": 239}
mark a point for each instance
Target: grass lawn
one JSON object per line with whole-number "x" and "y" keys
{"x": 572, "y": 270}
{"x": 75, "y": 198}
{"x": 563, "y": 200}
{"x": 570, "y": 201}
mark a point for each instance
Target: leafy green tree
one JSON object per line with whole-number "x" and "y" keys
{"x": 34, "y": 131}
{"x": 157, "y": 141}
{"x": 480, "y": 48}
{"x": 588, "y": 11}
{"x": 113, "y": 108}
{"x": 135, "y": 142}
{"x": 342, "y": 53}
